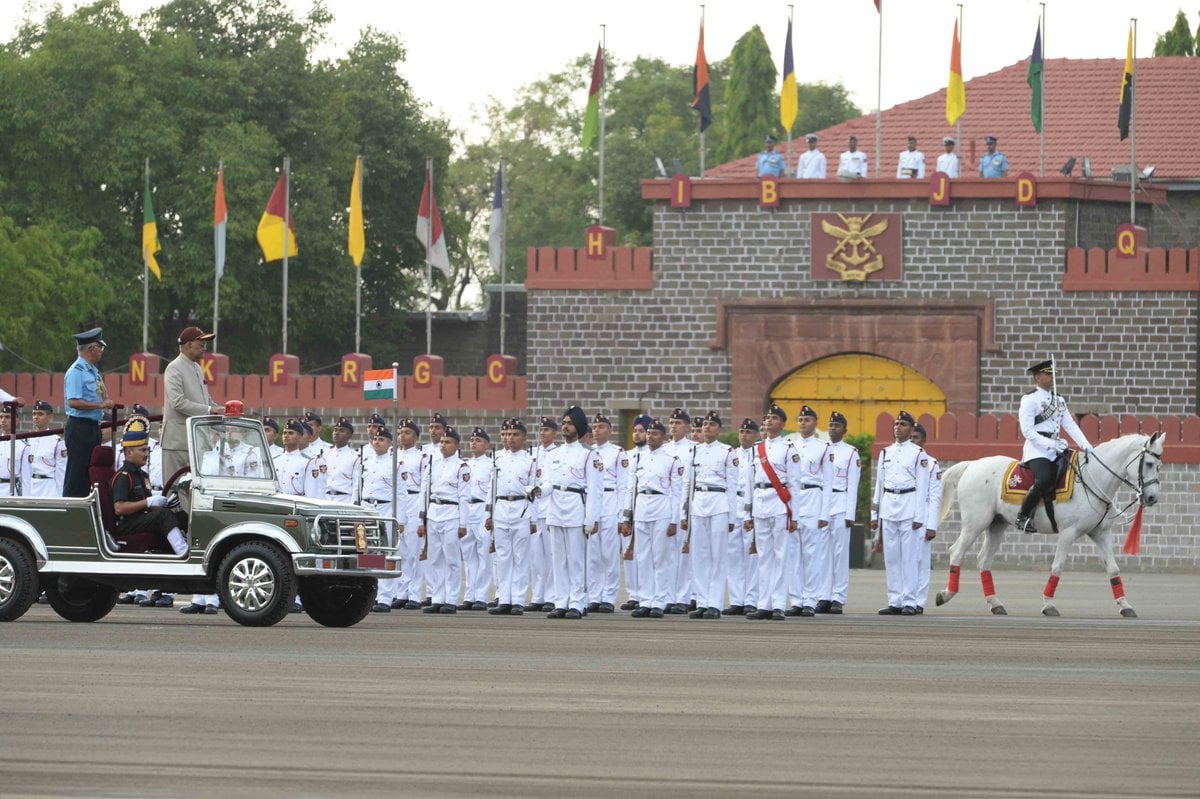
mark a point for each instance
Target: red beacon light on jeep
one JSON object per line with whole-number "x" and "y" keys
{"x": 234, "y": 408}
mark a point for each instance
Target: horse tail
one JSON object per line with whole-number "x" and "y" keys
{"x": 950, "y": 479}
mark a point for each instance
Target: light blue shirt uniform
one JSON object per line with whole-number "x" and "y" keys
{"x": 83, "y": 382}
{"x": 770, "y": 164}
{"x": 994, "y": 165}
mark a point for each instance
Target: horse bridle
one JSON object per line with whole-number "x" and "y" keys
{"x": 1142, "y": 483}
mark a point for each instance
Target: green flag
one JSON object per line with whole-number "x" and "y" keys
{"x": 1035, "y": 82}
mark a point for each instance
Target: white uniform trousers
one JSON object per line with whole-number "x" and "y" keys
{"x": 836, "y": 584}
{"x": 512, "y": 551}
{"x": 740, "y": 568}
{"x": 900, "y": 561}
{"x": 412, "y": 568}
{"x": 40, "y": 486}
{"x": 632, "y": 586}
{"x": 793, "y": 565}
{"x": 567, "y": 550}
{"x": 656, "y": 554}
{"x": 443, "y": 569}
{"x": 925, "y": 552}
{"x": 389, "y": 588}
{"x": 541, "y": 572}
{"x": 604, "y": 562}
{"x": 683, "y": 571}
{"x": 476, "y": 570}
{"x": 772, "y": 535}
{"x": 816, "y": 547}
{"x": 710, "y": 536}
{"x": 208, "y": 600}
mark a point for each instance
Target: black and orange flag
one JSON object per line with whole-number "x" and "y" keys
{"x": 1126, "y": 111}
{"x": 702, "y": 102}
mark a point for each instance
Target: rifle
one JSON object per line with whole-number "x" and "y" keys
{"x": 750, "y": 507}
{"x": 632, "y": 510}
{"x": 425, "y": 514}
{"x": 687, "y": 516}
{"x": 492, "y": 501}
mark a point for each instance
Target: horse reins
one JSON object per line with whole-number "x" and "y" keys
{"x": 1109, "y": 503}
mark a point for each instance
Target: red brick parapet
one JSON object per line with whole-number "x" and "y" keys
{"x": 1150, "y": 269}
{"x": 569, "y": 268}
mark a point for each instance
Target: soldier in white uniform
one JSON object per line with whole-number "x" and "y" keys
{"x": 853, "y": 162}
{"x": 271, "y": 431}
{"x": 899, "y": 507}
{"x": 604, "y": 548}
{"x": 297, "y": 472}
{"x": 378, "y": 484}
{"x": 374, "y": 424}
{"x": 541, "y": 573}
{"x": 574, "y": 492}
{"x": 655, "y": 497}
{"x": 16, "y": 472}
{"x": 411, "y": 464}
{"x": 772, "y": 484}
{"x": 847, "y": 470}
{"x": 344, "y": 465}
{"x": 314, "y": 448}
{"x": 680, "y": 445}
{"x": 812, "y": 161}
{"x": 808, "y": 550}
{"x": 49, "y": 455}
{"x": 446, "y": 483}
{"x": 741, "y": 566}
{"x": 477, "y": 566}
{"x": 1043, "y": 415}
{"x": 710, "y": 514}
{"x": 511, "y": 520}
{"x": 948, "y": 161}
{"x": 436, "y": 428}
{"x": 933, "y": 503}
{"x": 634, "y": 595}
{"x": 911, "y": 163}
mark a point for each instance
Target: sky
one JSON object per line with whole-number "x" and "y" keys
{"x": 462, "y": 53}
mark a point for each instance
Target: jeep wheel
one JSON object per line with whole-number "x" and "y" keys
{"x": 256, "y": 584}
{"x": 337, "y": 602}
{"x": 18, "y": 580}
{"x": 80, "y": 599}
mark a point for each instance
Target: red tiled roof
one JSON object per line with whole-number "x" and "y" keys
{"x": 1081, "y": 99}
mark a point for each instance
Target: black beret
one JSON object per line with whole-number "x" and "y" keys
{"x": 679, "y": 414}
{"x": 479, "y": 432}
{"x": 775, "y": 410}
{"x": 383, "y": 432}
{"x": 312, "y": 416}
{"x": 920, "y": 428}
{"x": 601, "y": 419}
{"x": 437, "y": 418}
{"x": 905, "y": 416}
{"x": 749, "y": 425}
{"x": 411, "y": 424}
{"x": 712, "y": 416}
{"x": 344, "y": 423}
{"x": 837, "y": 417}
{"x": 377, "y": 419}
{"x": 42, "y": 405}
{"x": 656, "y": 424}
{"x": 806, "y": 410}
{"x": 271, "y": 423}
{"x": 452, "y": 433}
{"x": 549, "y": 423}
{"x": 295, "y": 425}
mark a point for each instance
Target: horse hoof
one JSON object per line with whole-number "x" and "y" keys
{"x": 1050, "y": 612}
{"x": 998, "y": 610}
{"x": 1129, "y": 613}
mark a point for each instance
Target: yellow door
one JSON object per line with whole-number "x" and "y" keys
{"x": 859, "y": 386}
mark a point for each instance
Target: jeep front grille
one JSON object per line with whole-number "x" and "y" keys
{"x": 342, "y": 533}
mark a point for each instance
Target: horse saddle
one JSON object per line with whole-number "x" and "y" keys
{"x": 1018, "y": 479}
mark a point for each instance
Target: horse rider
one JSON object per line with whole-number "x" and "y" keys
{"x": 1043, "y": 415}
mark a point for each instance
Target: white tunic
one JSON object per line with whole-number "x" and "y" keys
{"x": 847, "y": 470}
{"x": 816, "y": 478}
{"x": 1053, "y": 407}
{"x": 615, "y": 462}
{"x": 447, "y": 484}
{"x": 341, "y": 479}
{"x": 298, "y": 474}
{"x": 515, "y": 477}
{"x": 49, "y": 460}
{"x": 655, "y": 486}
{"x": 811, "y": 165}
{"x": 853, "y": 163}
{"x": 572, "y": 486}
{"x": 911, "y": 160}
{"x": 902, "y": 483}
{"x": 714, "y": 485}
{"x": 784, "y": 460}
{"x": 948, "y": 163}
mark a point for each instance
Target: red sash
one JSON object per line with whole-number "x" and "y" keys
{"x": 785, "y": 496}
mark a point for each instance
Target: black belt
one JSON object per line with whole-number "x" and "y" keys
{"x": 476, "y": 501}
{"x": 1047, "y": 435}
{"x": 370, "y": 501}
{"x": 436, "y": 501}
{"x": 899, "y": 490}
{"x": 710, "y": 489}
{"x": 807, "y": 486}
{"x": 514, "y": 498}
{"x": 572, "y": 489}
{"x": 839, "y": 491}
{"x": 413, "y": 493}
{"x": 650, "y": 491}
{"x": 763, "y": 485}
{"x": 610, "y": 489}
{"x": 339, "y": 493}
{"x": 43, "y": 477}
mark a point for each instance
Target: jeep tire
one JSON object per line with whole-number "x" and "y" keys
{"x": 80, "y": 599}
{"x": 18, "y": 580}
{"x": 257, "y": 584}
{"x": 338, "y": 602}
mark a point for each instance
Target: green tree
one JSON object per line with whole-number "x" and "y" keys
{"x": 1178, "y": 40}
{"x": 751, "y": 97}
{"x": 823, "y": 105}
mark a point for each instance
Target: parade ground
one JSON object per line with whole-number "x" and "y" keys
{"x": 955, "y": 703}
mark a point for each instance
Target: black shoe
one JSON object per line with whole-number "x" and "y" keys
{"x": 920, "y": 610}
{"x": 165, "y": 602}
{"x": 761, "y": 614}
{"x": 712, "y": 613}
{"x": 1024, "y": 524}
{"x": 297, "y": 607}
{"x": 777, "y": 615}
{"x": 191, "y": 609}
{"x": 749, "y": 611}
{"x": 557, "y": 613}
{"x": 698, "y": 613}
{"x": 431, "y": 608}
{"x": 823, "y": 606}
{"x": 641, "y": 613}
{"x": 447, "y": 609}
{"x": 381, "y": 607}
{"x": 692, "y": 605}
{"x": 794, "y": 610}
{"x": 518, "y": 610}
{"x": 630, "y": 605}
{"x": 412, "y": 604}
{"x": 605, "y": 607}
{"x": 593, "y": 607}
{"x": 807, "y": 611}
{"x": 573, "y": 614}
{"x": 427, "y": 602}
{"x": 656, "y": 613}
{"x": 500, "y": 610}
{"x": 890, "y": 610}
{"x": 495, "y": 603}
{"x": 908, "y": 610}
{"x": 734, "y": 610}
{"x": 124, "y": 599}
{"x": 465, "y": 606}
{"x": 678, "y": 609}
{"x": 835, "y": 608}
{"x": 479, "y": 606}
{"x": 209, "y": 610}
{"x": 399, "y": 604}
{"x": 149, "y": 601}
{"x": 43, "y": 599}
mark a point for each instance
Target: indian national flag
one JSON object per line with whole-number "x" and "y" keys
{"x": 379, "y": 384}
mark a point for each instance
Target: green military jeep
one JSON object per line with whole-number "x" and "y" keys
{"x": 247, "y": 542}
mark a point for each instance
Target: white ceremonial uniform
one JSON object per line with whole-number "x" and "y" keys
{"x": 682, "y": 448}
{"x": 447, "y": 481}
{"x": 809, "y": 549}
{"x": 933, "y": 503}
{"x": 512, "y": 514}
{"x": 411, "y": 465}
{"x": 476, "y": 560}
{"x": 811, "y": 165}
{"x": 633, "y": 587}
{"x": 771, "y": 516}
{"x": 948, "y": 163}
{"x": 604, "y": 548}
{"x": 377, "y": 483}
{"x": 314, "y": 452}
{"x": 344, "y": 470}
{"x": 901, "y": 491}
{"x": 847, "y": 471}
{"x": 654, "y": 490}
{"x": 574, "y": 489}
{"x": 853, "y": 163}
{"x": 713, "y": 485}
{"x": 49, "y": 465}
{"x": 298, "y": 474}
{"x": 274, "y": 451}
{"x": 541, "y": 564}
{"x": 913, "y": 160}
{"x": 741, "y": 568}
{"x": 1042, "y": 439}
{"x": 16, "y": 476}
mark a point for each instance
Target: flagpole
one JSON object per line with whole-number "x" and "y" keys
{"x": 603, "y": 83}
{"x": 1042, "y": 98}
{"x": 429, "y": 261}
{"x": 958, "y": 122}
{"x": 879, "y": 95}
{"x": 504, "y": 243}
{"x": 395, "y": 439}
{"x": 1133, "y": 170}
{"x": 702, "y": 123}
{"x": 287, "y": 217}
{"x": 146, "y": 278}
{"x": 216, "y": 278}
{"x": 358, "y": 275}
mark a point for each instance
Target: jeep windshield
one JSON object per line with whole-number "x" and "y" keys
{"x": 231, "y": 454}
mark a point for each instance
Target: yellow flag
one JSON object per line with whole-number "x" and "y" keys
{"x": 358, "y": 242}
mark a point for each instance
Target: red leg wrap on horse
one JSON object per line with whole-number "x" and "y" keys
{"x": 952, "y": 584}
{"x": 1118, "y": 588}
{"x": 1051, "y": 586}
{"x": 989, "y": 589}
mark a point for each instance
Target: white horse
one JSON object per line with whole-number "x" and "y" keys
{"x": 1131, "y": 461}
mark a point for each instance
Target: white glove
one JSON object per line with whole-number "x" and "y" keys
{"x": 156, "y": 501}
{"x": 1060, "y": 445}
